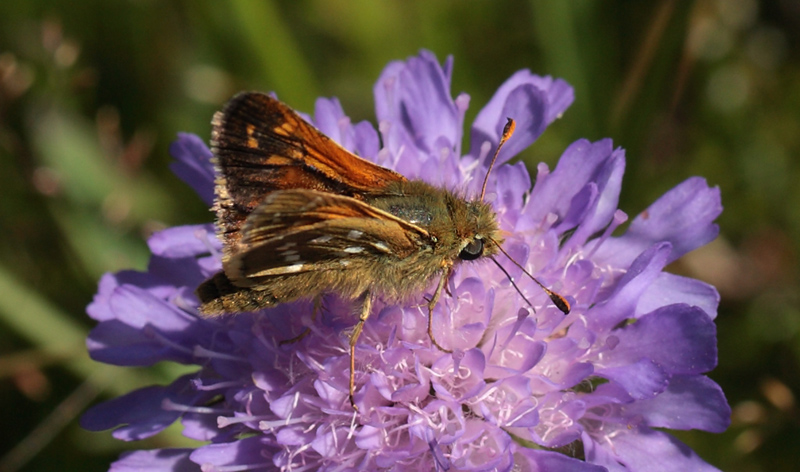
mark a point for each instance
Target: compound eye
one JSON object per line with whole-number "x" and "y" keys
{"x": 473, "y": 250}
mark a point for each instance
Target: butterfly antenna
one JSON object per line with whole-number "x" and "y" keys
{"x": 560, "y": 302}
{"x": 510, "y": 279}
{"x": 508, "y": 130}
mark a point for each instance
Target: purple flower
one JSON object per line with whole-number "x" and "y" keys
{"x": 536, "y": 390}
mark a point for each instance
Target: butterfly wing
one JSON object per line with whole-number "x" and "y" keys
{"x": 262, "y": 145}
{"x": 300, "y": 231}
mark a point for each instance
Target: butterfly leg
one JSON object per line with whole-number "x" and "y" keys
{"x": 432, "y": 303}
{"x": 366, "y": 308}
{"x": 307, "y": 330}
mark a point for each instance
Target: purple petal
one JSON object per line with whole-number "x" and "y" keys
{"x": 494, "y": 453}
{"x": 183, "y": 241}
{"x": 459, "y": 376}
{"x": 193, "y": 165}
{"x": 690, "y": 402}
{"x": 683, "y": 216}
{"x": 678, "y": 338}
{"x": 509, "y": 402}
{"x": 510, "y": 183}
{"x": 368, "y": 143}
{"x": 155, "y": 460}
{"x": 145, "y": 330}
{"x": 621, "y": 304}
{"x": 668, "y": 288}
{"x": 607, "y": 181}
{"x": 553, "y": 192}
{"x": 252, "y": 451}
{"x": 642, "y": 379}
{"x": 330, "y": 118}
{"x": 532, "y": 101}
{"x": 548, "y": 461}
{"x": 415, "y": 97}
{"x": 525, "y": 104}
{"x": 516, "y": 351}
{"x": 645, "y": 450}
{"x": 141, "y": 413}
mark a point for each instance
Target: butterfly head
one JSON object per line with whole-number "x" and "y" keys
{"x": 477, "y": 231}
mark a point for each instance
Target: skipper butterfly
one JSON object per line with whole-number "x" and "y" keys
{"x": 300, "y": 216}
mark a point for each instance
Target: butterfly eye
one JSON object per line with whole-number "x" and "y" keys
{"x": 472, "y": 251}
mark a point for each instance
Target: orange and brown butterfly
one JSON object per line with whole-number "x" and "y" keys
{"x": 299, "y": 216}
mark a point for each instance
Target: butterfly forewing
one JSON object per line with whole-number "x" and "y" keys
{"x": 261, "y": 146}
{"x": 295, "y": 231}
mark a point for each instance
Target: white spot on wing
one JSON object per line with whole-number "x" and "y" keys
{"x": 354, "y": 249}
{"x": 321, "y": 239}
{"x": 293, "y": 268}
{"x": 381, "y": 246}
{"x": 354, "y": 234}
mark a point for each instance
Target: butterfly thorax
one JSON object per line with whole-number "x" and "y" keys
{"x": 451, "y": 221}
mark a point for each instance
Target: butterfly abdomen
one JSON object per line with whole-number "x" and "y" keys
{"x": 218, "y": 296}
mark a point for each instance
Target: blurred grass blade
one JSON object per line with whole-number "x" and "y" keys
{"x": 278, "y": 55}
{"x": 51, "y": 330}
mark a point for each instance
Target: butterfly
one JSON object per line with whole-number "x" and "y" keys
{"x": 299, "y": 216}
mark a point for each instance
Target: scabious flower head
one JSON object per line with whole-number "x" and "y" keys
{"x": 522, "y": 390}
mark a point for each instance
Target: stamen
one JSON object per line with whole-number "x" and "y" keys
{"x": 202, "y": 235}
{"x": 200, "y": 351}
{"x": 169, "y": 405}
{"x": 152, "y": 332}
{"x": 619, "y": 218}
{"x": 198, "y": 384}
{"x": 235, "y": 468}
{"x": 268, "y": 425}
{"x": 223, "y": 421}
{"x": 521, "y": 316}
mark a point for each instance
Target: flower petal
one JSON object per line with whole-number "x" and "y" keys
{"x": 329, "y": 117}
{"x": 193, "y": 165}
{"x": 621, "y": 304}
{"x": 642, "y": 379}
{"x": 145, "y": 330}
{"x": 252, "y": 451}
{"x": 644, "y": 450}
{"x": 668, "y": 288}
{"x": 683, "y": 216}
{"x": 690, "y": 402}
{"x": 141, "y": 413}
{"x": 535, "y": 460}
{"x": 414, "y": 97}
{"x": 183, "y": 241}
{"x": 578, "y": 166}
{"x": 679, "y": 338}
{"x": 155, "y": 460}
{"x": 532, "y": 101}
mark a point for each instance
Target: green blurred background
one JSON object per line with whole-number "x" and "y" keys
{"x": 92, "y": 93}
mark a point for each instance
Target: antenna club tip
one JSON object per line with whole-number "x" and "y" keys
{"x": 560, "y": 302}
{"x": 508, "y": 130}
